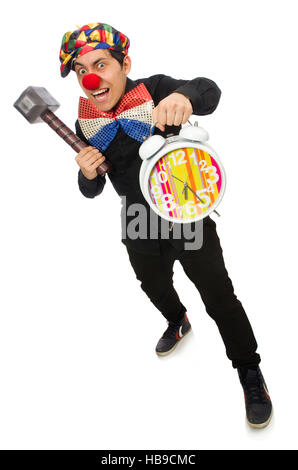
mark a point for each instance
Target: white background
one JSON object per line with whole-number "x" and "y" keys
{"x": 78, "y": 366}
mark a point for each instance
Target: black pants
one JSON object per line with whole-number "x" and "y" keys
{"x": 206, "y": 269}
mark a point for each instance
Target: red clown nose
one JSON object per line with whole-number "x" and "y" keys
{"x": 91, "y": 81}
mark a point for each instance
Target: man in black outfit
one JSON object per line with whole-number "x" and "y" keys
{"x": 98, "y": 55}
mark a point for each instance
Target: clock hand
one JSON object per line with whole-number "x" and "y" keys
{"x": 186, "y": 186}
{"x": 184, "y": 190}
{"x": 177, "y": 178}
{"x": 184, "y": 182}
{"x": 200, "y": 198}
{"x": 194, "y": 193}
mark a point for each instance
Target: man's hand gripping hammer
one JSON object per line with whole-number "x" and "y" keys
{"x": 37, "y": 105}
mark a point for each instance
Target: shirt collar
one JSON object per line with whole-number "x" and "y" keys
{"x": 130, "y": 84}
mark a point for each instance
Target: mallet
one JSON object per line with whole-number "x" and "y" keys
{"x": 37, "y": 105}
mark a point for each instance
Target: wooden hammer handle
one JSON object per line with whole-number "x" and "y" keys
{"x": 71, "y": 138}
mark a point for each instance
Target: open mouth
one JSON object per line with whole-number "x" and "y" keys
{"x": 101, "y": 94}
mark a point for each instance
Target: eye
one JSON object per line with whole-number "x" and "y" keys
{"x": 100, "y": 65}
{"x": 82, "y": 71}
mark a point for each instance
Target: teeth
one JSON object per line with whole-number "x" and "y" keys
{"x": 100, "y": 92}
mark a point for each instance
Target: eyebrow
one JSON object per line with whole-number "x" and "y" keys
{"x": 94, "y": 63}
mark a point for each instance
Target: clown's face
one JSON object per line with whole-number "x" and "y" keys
{"x": 112, "y": 77}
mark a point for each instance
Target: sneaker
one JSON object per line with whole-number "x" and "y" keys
{"x": 257, "y": 400}
{"x": 172, "y": 336}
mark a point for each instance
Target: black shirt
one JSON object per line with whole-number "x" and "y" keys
{"x": 123, "y": 152}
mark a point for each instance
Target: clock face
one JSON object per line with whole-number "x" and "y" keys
{"x": 185, "y": 184}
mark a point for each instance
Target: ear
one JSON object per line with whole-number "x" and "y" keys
{"x": 126, "y": 64}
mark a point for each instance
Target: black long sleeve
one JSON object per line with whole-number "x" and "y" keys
{"x": 203, "y": 93}
{"x": 91, "y": 188}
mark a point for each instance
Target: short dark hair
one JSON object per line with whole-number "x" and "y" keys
{"x": 119, "y": 56}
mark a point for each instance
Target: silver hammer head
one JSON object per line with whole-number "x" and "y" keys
{"x": 34, "y": 102}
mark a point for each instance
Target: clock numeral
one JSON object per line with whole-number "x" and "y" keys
{"x": 190, "y": 207}
{"x": 162, "y": 176}
{"x": 173, "y": 157}
{"x": 156, "y": 192}
{"x": 182, "y": 156}
{"x": 201, "y": 195}
{"x": 168, "y": 203}
{"x": 180, "y": 211}
{"x": 203, "y": 165}
{"x": 193, "y": 156}
{"x": 210, "y": 188}
{"x": 212, "y": 171}
{"x": 162, "y": 165}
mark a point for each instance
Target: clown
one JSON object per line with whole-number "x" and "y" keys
{"x": 114, "y": 118}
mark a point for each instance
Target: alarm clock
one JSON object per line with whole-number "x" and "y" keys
{"x": 181, "y": 177}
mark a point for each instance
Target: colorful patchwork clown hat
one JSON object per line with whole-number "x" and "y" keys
{"x": 87, "y": 38}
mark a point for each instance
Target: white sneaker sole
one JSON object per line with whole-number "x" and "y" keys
{"x": 261, "y": 425}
